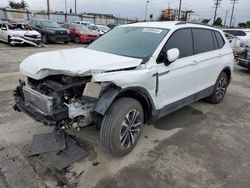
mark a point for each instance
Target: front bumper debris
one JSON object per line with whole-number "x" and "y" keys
{"x": 51, "y": 118}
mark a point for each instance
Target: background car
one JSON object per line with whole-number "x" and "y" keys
{"x": 80, "y": 33}
{"x": 241, "y": 34}
{"x": 102, "y": 29}
{"x": 13, "y": 33}
{"x": 83, "y": 23}
{"x": 50, "y": 31}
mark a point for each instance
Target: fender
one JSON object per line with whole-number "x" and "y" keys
{"x": 138, "y": 93}
{"x": 106, "y": 99}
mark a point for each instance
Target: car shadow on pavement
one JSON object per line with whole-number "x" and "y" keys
{"x": 182, "y": 118}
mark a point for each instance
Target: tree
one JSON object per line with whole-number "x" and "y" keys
{"x": 205, "y": 21}
{"x": 218, "y": 22}
{"x": 244, "y": 24}
{"x": 21, "y": 5}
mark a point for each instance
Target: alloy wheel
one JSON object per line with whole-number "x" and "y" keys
{"x": 130, "y": 128}
{"x": 221, "y": 88}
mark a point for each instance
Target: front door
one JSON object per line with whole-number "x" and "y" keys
{"x": 177, "y": 82}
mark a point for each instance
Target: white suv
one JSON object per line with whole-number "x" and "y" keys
{"x": 133, "y": 75}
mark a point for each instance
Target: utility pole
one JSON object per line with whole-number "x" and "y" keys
{"x": 179, "y": 14}
{"x": 216, "y": 3}
{"x": 48, "y": 9}
{"x": 146, "y": 11}
{"x": 75, "y": 7}
{"x": 232, "y": 14}
{"x": 65, "y": 6}
{"x": 225, "y": 20}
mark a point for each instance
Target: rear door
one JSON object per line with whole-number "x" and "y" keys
{"x": 208, "y": 56}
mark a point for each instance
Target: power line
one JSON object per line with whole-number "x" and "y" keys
{"x": 216, "y": 3}
{"x": 232, "y": 14}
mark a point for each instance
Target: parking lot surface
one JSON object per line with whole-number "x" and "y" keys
{"x": 201, "y": 145}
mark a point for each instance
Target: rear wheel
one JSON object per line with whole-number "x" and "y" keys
{"x": 77, "y": 40}
{"x": 219, "y": 90}
{"x": 121, "y": 126}
{"x": 44, "y": 39}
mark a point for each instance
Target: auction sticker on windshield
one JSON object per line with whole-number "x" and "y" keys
{"x": 152, "y": 30}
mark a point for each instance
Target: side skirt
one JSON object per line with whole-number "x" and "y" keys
{"x": 183, "y": 102}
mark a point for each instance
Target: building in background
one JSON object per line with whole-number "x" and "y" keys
{"x": 171, "y": 14}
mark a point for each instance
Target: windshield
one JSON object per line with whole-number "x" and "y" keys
{"x": 138, "y": 42}
{"x": 103, "y": 27}
{"x": 50, "y": 24}
{"x": 81, "y": 28}
{"x": 19, "y": 26}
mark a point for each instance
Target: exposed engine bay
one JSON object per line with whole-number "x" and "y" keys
{"x": 59, "y": 100}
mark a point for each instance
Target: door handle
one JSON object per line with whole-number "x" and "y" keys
{"x": 195, "y": 62}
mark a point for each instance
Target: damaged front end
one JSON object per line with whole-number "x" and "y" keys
{"x": 59, "y": 100}
{"x": 33, "y": 40}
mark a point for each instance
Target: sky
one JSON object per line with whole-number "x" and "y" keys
{"x": 136, "y": 8}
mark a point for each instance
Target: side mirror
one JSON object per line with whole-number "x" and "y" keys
{"x": 172, "y": 55}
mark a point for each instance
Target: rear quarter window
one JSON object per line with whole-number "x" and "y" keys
{"x": 220, "y": 39}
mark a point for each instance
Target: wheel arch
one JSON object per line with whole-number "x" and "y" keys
{"x": 228, "y": 72}
{"x": 138, "y": 93}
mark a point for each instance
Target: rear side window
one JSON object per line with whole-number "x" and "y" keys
{"x": 181, "y": 39}
{"x": 220, "y": 39}
{"x": 203, "y": 40}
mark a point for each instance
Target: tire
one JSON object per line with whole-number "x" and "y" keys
{"x": 77, "y": 40}
{"x": 66, "y": 42}
{"x": 219, "y": 90}
{"x": 119, "y": 133}
{"x": 9, "y": 40}
{"x": 44, "y": 39}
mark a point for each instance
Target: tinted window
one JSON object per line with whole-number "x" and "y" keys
{"x": 220, "y": 39}
{"x": 203, "y": 40}
{"x": 181, "y": 39}
{"x": 216, "y": 45}
{"x": 67, "y": 26}
{"x": 241, "y": 33}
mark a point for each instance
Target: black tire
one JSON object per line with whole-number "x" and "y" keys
{"x": 66, "y": 42}
{"x": 77, "y": 40}
{"x": 9, "y": 40}
{"x": 118, "y": 134}
{"x": 44, "y": 39}
{"x": 220, "y": 89}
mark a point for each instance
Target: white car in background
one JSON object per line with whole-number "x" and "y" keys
{"x": 242, "y": 34}
{"x": 131, "y": 76}
{"x": 83, "y": 23}
{"x": 101, "y": 29}
{"x": 15, "y": 33}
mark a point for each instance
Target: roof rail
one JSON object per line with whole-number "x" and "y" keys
{"x": 186, "y": 22}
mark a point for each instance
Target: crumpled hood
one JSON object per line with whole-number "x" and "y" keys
{"x": 74, "y": 62}
{"x": 23, "y": 32}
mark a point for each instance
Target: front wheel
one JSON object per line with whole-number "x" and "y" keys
{"x": 220, "y": 89}
{"x": 121, "y": 126}
{"x": 44, "y": 39}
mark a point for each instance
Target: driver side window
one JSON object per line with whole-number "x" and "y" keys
{"x": 180, "y": 39}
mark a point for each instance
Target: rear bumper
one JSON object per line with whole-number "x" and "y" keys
{"x": 34, "y": 113}
{"x": 244, "y": 63}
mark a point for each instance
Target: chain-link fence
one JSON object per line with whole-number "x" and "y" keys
{"x": 12, "y": 14}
